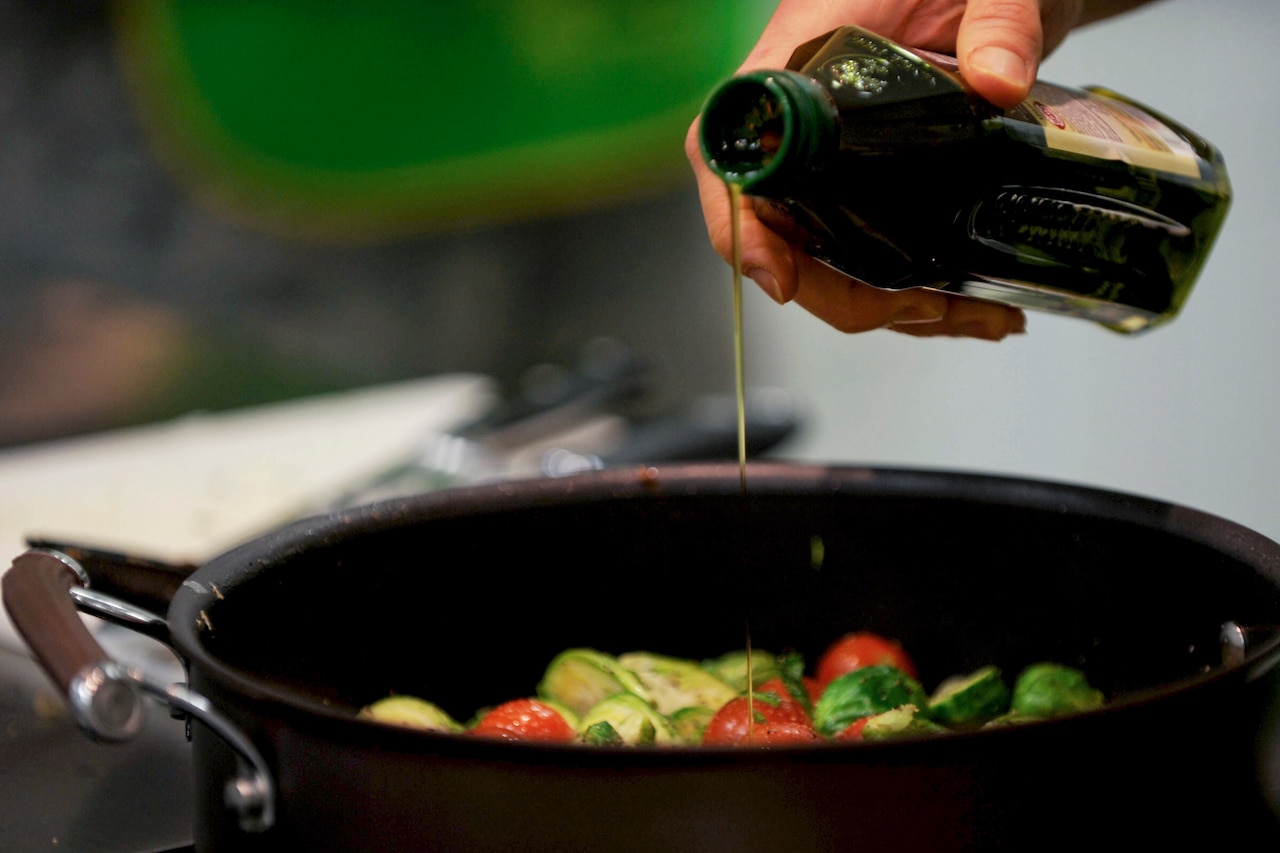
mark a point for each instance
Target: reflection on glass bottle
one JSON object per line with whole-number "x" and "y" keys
{"x": 877, "y": 160}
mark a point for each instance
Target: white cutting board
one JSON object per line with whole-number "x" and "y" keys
{"x": 187, "y": 489}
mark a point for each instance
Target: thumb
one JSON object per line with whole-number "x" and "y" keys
{"x": 999, "y": 46}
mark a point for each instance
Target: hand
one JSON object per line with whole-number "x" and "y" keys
{"x": 999, "y": 45}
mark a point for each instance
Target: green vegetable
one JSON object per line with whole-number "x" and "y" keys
{"x": 580, "y": 678}
{"x": 862, "y": 693}
{"x": 1051, "y": 690}
{"x": 601, "y": 734}
{"x": 969, "y": 701}
{"x": 412, "y": 712}
{"x": 903, "y": 721}
{"x": 791, "y": 671}
{"x": 635, "y": 720}
{"x": 691, "y": 722}
{"x": 675, "y": 683}
{"x": 731, "y": 668}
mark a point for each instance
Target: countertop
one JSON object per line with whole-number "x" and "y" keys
{"x": 182, "y": 491}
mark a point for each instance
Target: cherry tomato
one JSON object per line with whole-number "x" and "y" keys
{"x": 771, "y": 703}
{"x": 780, "y": 732}
{"x": 524, "y": 719}
{"x": 859, "y": 649}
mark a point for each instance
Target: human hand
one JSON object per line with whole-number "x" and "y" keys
{"x": 999, "y": 45}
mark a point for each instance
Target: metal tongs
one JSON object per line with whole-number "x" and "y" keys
{"x": 551, "y": 402}
{"x": 563, "y": 422}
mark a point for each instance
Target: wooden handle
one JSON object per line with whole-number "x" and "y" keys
{"x": 36, "y": 592}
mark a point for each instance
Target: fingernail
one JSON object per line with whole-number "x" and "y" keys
{"x": 911, "y": 314}
{"x": 1001, "y": 63}
{"x": 766, "y": 282}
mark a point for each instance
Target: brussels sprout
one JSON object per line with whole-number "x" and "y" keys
{"x": 731, "y": 668}
{"x": 969, "y": 701}
{"x": 674, "y": 683}
{"x": 579, "y": 678}
{"x": 635, "y": 720}
{"x": 1051, "y": 690}
{"x": 791, "y": 671}
{"x": 412, "y": 712}
{"x": 903, "y": 721}
{"x": 862, "y": 693}
{"x": 691, "y": 722}
{"x": 601, "y": 734}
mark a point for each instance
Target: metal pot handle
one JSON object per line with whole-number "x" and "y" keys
{"x": 41, "y": 592}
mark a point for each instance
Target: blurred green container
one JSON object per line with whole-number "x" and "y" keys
{"x": 366, "y": 119}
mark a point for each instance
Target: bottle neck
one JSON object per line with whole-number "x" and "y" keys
{"x": 768, "y": 130}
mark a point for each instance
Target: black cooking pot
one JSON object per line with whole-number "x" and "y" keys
{"x": 464, "y": 596}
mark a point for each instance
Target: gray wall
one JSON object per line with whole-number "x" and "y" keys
{"x": 1187, "y": 413}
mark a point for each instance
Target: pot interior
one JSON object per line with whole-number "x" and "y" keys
{"x": 464, "y": 597}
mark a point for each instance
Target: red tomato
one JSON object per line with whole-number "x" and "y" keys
{"x": 780, "y": 732}
{"x": 859, "y": 649}
{"x": 524, "y": 719}
{"x": 771, "y": 703}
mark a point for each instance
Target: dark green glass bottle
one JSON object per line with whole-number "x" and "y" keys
{"x": 877, "y": 160}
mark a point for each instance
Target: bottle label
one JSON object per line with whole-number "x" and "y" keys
{"x": 1097, "y": 126}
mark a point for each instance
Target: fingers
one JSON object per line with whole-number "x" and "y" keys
{"x": 852, "y": 306}
{"x": 999, "y": 46}
{"x": 970, "y": 318}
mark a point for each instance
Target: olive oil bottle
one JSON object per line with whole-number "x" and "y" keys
{"x": 877, "y": 160}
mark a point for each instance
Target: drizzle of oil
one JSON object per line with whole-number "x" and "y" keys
{"x": 740, "y": 387}
{"x": 739, "y": 371}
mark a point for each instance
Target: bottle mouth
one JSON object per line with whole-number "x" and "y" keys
{"x": 744, "y": 128}
{"x": 761, "y": 127}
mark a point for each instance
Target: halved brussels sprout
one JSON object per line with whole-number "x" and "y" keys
{"x": 580, "y": 678}
{"x": 969, "y": 701}
{"x": 903, "y": 721}
{"x": 731, "y": 668}
{"x": 863, "y": 693}
{"x": 691, "y": 722}
{"x": 412, "y": 712}
{"x": 675, "y": 683}
{"x": 635, "y": 721}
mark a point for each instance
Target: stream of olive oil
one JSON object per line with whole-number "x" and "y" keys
{"x": 740, "y": 387}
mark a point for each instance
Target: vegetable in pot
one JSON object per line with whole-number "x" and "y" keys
{"x": 636, "y": 721}
{"x": 770, "y": 705}
{"x": 525, "y": 719}
{"x": 865, "y": 692}
{"x": 731, "y": 668}
{"x": 1051, "y": 690}
{"x": 642, "y": 698}
{"x": 580, "y": 678}
{"x": 412, "y": 712}
{"x": 674, "y": 683}
{"x": 903, "y": 721}
{"x": 970, "y": 701}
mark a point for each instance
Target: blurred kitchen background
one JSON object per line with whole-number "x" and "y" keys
{"x": 210, "y": 206}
